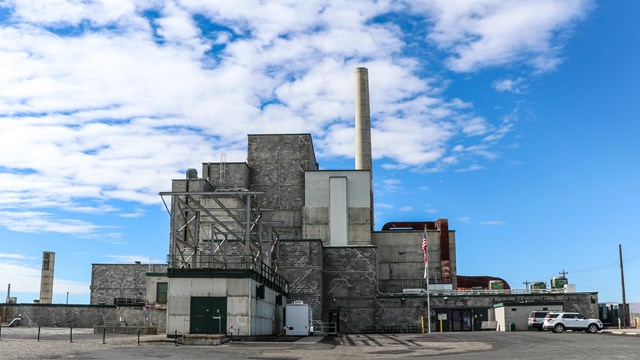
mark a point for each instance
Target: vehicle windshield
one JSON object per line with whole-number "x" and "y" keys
{"x": 551, "y": 316}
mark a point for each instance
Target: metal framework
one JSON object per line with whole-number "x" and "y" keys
{"x": 220, "y": 230}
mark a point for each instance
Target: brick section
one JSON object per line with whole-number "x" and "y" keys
{"x": 301, "y": 264}
{"x": 110, "y": 281}
{"x": 350, "y": 275}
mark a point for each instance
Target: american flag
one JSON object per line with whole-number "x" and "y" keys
{"x": 424, "y": 249}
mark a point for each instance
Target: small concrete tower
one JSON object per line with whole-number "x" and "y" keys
{"x": 46, "y": 279}
{"x": 363, "y": 120}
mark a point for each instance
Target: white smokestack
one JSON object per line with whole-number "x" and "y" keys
{"x": 363, "y": 120}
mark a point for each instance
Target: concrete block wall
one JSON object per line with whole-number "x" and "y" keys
{"x": 300, "y": 262}
{"x": 350, "y": 286}
{"x": 83, "y": 316}
{"x": 140, "y": 316}
{"x": 196, "y": 185}
{"x": 401, "y": 263}
{"x": 277, "y": 165}
{"x": 234, "y": 176}
{"x": 360, "y": 226}
{"x": 110, "y": 281}
{"x": 402, "y": 310}
{"x": 246, "y": 315}
{"x": 152, "y": 290}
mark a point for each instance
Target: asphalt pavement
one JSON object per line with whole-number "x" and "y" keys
{"x": 55, "y": 343}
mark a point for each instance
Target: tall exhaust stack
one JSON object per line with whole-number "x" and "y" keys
{"x": 46, "y": 279}
{"x": 363, "y": 120}
{"x": 363, "y": 127}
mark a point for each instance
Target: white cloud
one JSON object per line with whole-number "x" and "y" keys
{"x": 470, "y": 168}
{"x": 24, "y": 279}
{"x": 135, "y": 214}
{"x": 111, "y": 104}
{"x": 15, "y": 256}
{"x": 383, "y": 206}
{"x": 39, "y": 222}
{"x": 406, "y": 208}
{"x": 486, "y": 33}
{"x": 130, "y": 259}
{"x": 493, "y": 222}
{"x": 515, "y": 86}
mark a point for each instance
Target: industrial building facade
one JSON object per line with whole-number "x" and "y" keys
{"x": 308, "y": 237}
{"x": 248, "y": 238}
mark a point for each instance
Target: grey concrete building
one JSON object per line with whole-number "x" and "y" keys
{"x": 247, "y": 238}
{"x": 122, "y": 284}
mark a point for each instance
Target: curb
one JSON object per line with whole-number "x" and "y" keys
{"x": 621, "y": 333}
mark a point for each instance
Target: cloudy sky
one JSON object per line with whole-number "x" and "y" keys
{"x": 514, "y": 119}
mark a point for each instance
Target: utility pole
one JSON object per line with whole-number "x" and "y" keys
{"x": 563, "y": 273}
{"x": 526, "y": 286}
{"x": 624, "y": 298}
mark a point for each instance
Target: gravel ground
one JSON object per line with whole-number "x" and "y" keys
{"x": 22, "y": 342}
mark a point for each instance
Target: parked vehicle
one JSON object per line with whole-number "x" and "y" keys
{"x": 561, "y": 321}
{"x": 536, "y": 319}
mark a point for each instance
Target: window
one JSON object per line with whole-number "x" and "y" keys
{"x": 161, "y": 293}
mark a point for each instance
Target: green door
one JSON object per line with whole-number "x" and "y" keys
{"x": 208, "y": 315}
{"x": 479, "y": 315}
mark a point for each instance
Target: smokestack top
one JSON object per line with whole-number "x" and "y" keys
{"x": 362, "y": 120}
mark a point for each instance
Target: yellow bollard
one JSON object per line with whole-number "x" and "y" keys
{"x": 440, "y": 324}
{"x": 422, "y": 321}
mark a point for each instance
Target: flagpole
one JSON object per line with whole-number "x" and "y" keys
{"x": 426, "y": 275}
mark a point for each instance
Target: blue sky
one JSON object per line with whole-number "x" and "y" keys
{"x": 516, "y": 120}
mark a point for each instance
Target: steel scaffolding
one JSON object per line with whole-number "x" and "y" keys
{"x": 220, "y": 230}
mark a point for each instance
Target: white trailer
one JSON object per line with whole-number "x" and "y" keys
{"x": 298, "y": 319}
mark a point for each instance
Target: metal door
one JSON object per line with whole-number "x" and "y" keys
{"x": 208, "y": 315}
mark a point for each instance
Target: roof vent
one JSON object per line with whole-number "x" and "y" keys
{"x": 192, "y": 174}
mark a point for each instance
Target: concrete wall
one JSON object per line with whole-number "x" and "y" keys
{"x": 400, "y": 259}
{"x": 402, "y": 310}
{"x": 350, "y": 286}
{"x": 232, "y": 176}
{"x": 324, "y": 203}
{"x": 83, "y": 316}
{"x": 266, "y": 315}
{"x": 300, "y": 262}
{"x": 110, "y": 281}
{"x": 152, "y": 290}
{"x": 518, "y": 314}
{"x": 246, "y": 315}
{"x": 277, "y": 166}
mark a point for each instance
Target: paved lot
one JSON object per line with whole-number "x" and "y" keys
{"x": 21, "y": 344}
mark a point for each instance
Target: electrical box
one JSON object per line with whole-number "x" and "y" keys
{"x": 298, "y": 319}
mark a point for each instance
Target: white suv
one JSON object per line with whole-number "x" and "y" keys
{"x": 561, "y": 321}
